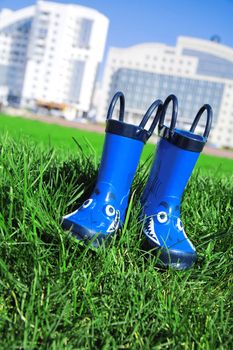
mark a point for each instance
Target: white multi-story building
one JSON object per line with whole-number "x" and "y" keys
{"x": 196, "y": 71}
{"x": 51, "y": 52}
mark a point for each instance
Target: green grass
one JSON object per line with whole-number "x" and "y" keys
{"x": 62, "y": 139}
{"x": 56, "y": 293}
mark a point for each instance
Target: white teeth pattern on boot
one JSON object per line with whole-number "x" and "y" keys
{"x": 70, "y": 214}
{"x": 150, "y": 231}
{"x": 115, "y": 224}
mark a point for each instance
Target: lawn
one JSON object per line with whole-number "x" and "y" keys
{"x": 62, "y": 139}
{"x": 56, "y": 293}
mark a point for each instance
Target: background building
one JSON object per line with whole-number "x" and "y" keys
{"x": 196, "y": 71}
{"x": 50, "y": 53}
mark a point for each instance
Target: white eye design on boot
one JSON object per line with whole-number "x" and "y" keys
{"x": 110, "y": 210}
{"x": 179, "y": 225}
{"x": 162, "y": 217}
{"x": 87, "y": 203}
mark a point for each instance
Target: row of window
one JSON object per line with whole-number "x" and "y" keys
{"x": 212, "y": 65}
{"x": 170, "y": 69}
{"x": 64, "y": 94}
{"x": 154, "y": 79}
{"x": 156, "y": 58}
{"x": 141, "y": 88}
{"x": 11, "y": 60}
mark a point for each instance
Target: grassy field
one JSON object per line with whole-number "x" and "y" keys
{"x": 56, "y": 293}
{"x": 61, "y": 138}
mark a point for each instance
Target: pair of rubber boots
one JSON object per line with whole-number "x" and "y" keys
{"x": 104, "y": 212}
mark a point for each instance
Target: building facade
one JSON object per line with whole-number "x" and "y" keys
{"x": 196, "y": 71}
{"x": 51, "y": 52}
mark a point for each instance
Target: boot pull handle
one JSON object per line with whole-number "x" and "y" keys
{"x": 171, "y": 98}
{"x": 209, "y": 118}
{"x": 158, "y": 104}
{"x": 118, "y": 95}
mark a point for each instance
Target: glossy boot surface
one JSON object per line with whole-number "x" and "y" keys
{"x": 175, "y": 158}
{"x": 103, "y": 213}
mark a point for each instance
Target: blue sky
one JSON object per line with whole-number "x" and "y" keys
{"x": 136, "y": 21}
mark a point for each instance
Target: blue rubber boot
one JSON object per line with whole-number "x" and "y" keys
{"x": 175, "y": 158}
{"x": 104, "y": 212}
